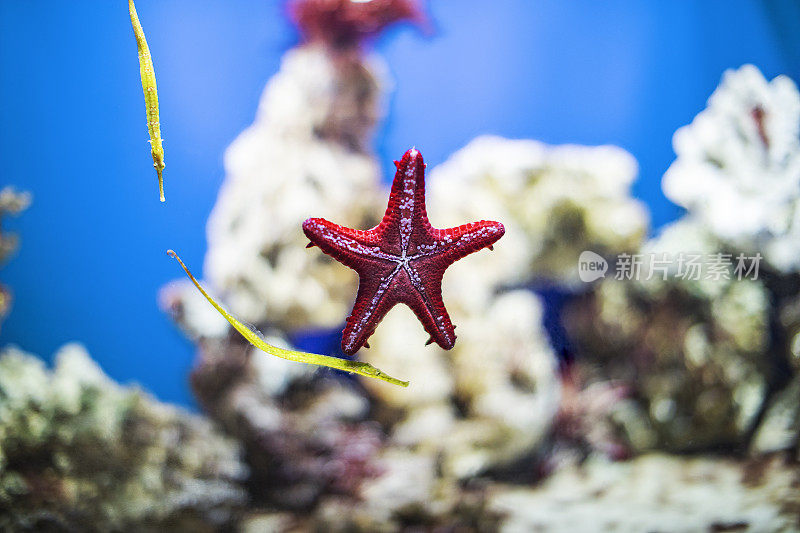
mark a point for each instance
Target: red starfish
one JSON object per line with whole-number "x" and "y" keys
{"x": 402, "y": 259}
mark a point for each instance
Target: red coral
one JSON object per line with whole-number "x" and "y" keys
{"x": 345, "y": 23}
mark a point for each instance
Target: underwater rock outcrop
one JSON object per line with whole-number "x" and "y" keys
{"x": 691, "y": 354}
{"x": 482, "y": 407}
{"x": 80, "y": 453}
{"x": 652, "y": 492}
{"x": 657, "y": 492}
{"x": 324, "y": 449}
{"x": 308, "y": 153}
{"x": 555, "y": 202}
{"x": 305, "y": 434}
{"x": 707, "y": 353}
{"x": 738, "y": 166}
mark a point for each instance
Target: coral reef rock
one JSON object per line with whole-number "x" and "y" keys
{"x": 780, "y": 427}
{"x": 738, "y": 166}
{"x": 555, "y": 202}
{"x": 653, "y": 492}
{"x": 482, "y": 406}
{"x": 304, "y": 434}
{"x": 692, "y": 353}
{"x": 305, "y": 155}
{"x": 657, "y": 493}
{"x": 387, "y": 456}
{"x": 80, "y": 453}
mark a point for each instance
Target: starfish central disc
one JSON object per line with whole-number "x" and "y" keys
{"x": 402, "y": 259}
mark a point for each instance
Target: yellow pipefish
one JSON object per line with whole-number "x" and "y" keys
{"x": 355, "y": 367}
{"x": 150, "y": 97}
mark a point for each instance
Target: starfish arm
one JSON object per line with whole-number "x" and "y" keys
{"x": 450, "y": 245}
{"x": 406, "y": 220}
{"x": 371, "y": 305}
{"x": 426, "y": 302}
{"x": 346, "y": 245}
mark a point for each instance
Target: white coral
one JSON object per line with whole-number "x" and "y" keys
{"x": 738, "y": 166}
{"x": 555, "y": 202}
{"x": 675, "y": 246}
{"x": 296, "y": 161}
{"x": 504, "y": 365}
{"x": 653, "y": 493}
{"x": 78, "y": 451}
{"x": 502, "y": 370}
{"x": 398, "y": 348}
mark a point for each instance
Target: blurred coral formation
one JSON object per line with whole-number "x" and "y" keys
{"x": 712, "y": 363}
{"x": 738, "y": 166}
{"x": 309, "y": 148}
{"x": 555, "y": 202}
{"x": 501, "y": 432}
{"x": 674, "y": 407}
{"x": 80, "y": 453}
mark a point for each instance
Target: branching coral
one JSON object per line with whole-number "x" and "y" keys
{"x": 738, "y": 166}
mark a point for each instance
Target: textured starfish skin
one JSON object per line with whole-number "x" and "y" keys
{"x": 402, "y": 259}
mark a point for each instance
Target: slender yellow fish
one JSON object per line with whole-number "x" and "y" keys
{"x": 355, "y": 367}
{"x": 150, "y": 97}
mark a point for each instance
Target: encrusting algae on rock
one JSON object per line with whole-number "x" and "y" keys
{"x": 80, "y": 453}
{"x": 708, "y": 354}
